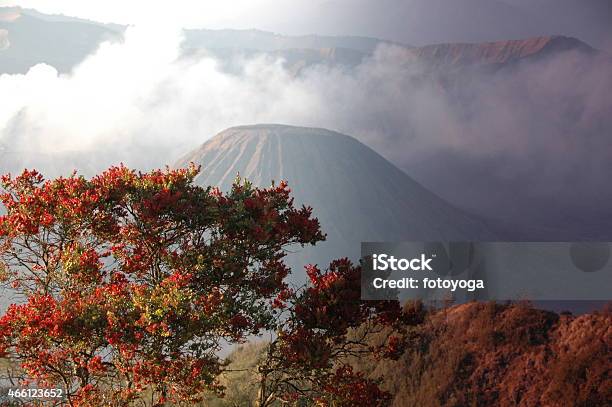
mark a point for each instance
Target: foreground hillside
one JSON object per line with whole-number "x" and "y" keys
{"x": 486, "y": 354}
{"x": 481, "y": 354}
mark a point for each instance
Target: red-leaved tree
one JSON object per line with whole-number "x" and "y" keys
{"x": 325, "y": 326}
{"x": 128, "y": 284}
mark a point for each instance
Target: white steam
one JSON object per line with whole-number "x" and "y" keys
{"x": 139, "y": 93}
{"x": 531, "y": 132}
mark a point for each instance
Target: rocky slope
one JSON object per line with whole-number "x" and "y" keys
{"x": 480, "y": 354}
{"x": 489, "y": 354}
{"x": 497, "y": 53}
{"x": 356, "y": 194}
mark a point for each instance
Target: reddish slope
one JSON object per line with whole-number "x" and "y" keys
{"x": 499, "y": 52}
{"x": 493, "y": 355}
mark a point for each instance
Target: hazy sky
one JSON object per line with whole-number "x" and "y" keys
{"x": 416, "y": 22}
{"x": 183, "y": 12}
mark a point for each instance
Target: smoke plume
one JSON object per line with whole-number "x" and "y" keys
{"x": 532, "y": 141}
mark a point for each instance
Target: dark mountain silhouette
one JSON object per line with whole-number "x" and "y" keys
{"x": 32, "y": 38}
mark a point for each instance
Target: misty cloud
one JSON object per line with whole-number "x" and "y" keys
{"x": 4, "y": 40}
{"x": 136, "y": 95}
{"x": 517, "y": 143}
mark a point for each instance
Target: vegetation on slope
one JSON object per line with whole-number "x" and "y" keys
{"x": 482, "y": 354}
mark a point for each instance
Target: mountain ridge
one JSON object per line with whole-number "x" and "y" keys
{"x": 499, "y": 52}
{"x": 271, "y": 41}
{"x": 29, "y": 47}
